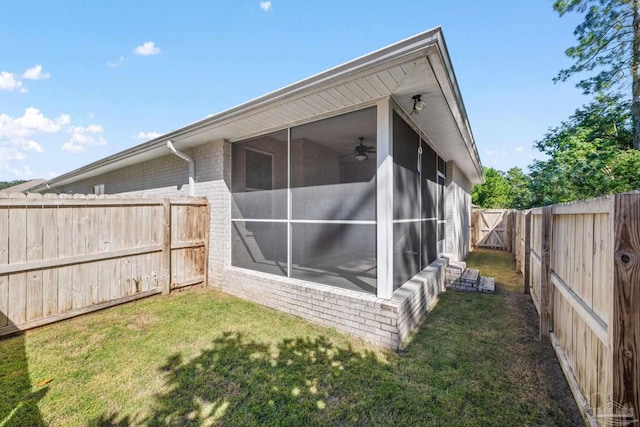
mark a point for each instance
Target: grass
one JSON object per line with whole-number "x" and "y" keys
{"x": 205, "y": 358}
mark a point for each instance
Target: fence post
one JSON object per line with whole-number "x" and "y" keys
{"x": 527, "y": 253}
{"x": 474, "y": 228}
{"x": 545, "y": 273}
{"x": 626, "y": 303}
{"x": 509, "y": 232}
{"x": 165, "y": 263}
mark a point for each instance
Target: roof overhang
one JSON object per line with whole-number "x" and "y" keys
{"x": 417, "y": 65}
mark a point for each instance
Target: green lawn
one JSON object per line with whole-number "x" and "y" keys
{"x": 205, "y": 358}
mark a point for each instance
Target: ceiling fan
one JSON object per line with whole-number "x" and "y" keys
{"x": 362, "y": 150}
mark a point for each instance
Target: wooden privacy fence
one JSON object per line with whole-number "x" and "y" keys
{"x": 62, "y": 256}
{"x": 492, "y": 228}
{"x": 581, "y": 265}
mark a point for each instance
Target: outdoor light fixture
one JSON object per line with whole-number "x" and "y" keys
{"x": 418, "y": 104}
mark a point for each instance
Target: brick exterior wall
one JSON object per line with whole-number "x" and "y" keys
{"x": 382, "y": 322}
{"x": 457, "y": 213}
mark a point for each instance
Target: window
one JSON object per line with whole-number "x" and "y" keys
{"x": 258, "y": 170}
{"x": 259, "y": 177}
{"x": 98, "y": 189}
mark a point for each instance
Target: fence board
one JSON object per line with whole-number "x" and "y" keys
{"x": 62, "y": 256}
{"x": 4, "y": 259}
{"x": 65, "y": 249}
{"x": 17, "y": 308}
{"x": 34, "y": 253}
{"x": 594, "y": 297}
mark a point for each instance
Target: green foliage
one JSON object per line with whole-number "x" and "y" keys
{"x": 589, "y": 155}
{"x": 510, "y": 190}
{"x": 520, "y": 195}
{"x": 494, "y": 193}
{"x": 7, "y": 184}
{"x": 605, "y": 43}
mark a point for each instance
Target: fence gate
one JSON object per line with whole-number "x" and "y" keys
{"x": 490, "y": 228}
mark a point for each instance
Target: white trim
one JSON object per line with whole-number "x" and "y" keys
{"x": 401, "y": 221}
{"x": 332, "y": 221}
{"x": 384, "y": 198}
{"x": 257, "y": 220}
{"x": 289, "y": 204}
{"x": 440, "y": 174}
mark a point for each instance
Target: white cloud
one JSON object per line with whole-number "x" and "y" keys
{"x": 31, "y": 145}
{"x": 149, "y": 48}
{"x": 265, "y": 5}
{"x": 147, "y": 135}
{"x": 82, "y": 137}
{"x": 10, "y": 154}
{"x": 31, "y": 122}
{"x": 9, "y": 169}
{"x": 117, "y": 63}
{"x": 35, "y": 73}
{"x": 9, "y": 82}
{"x": 520, "y": 148}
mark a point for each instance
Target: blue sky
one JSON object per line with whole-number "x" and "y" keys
{"x": 80, "y": 80}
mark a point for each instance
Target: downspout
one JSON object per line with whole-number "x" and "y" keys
{"x": 192, "y": 167}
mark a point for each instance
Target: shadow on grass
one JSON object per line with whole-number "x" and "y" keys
{"x": 18, "y": 399}
{"x": 242, "y": 382}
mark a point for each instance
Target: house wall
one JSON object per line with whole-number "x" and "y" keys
{"x": 384, "y": 322}
{"x": 457, "y": 213}
{"x": 168, "y": 176}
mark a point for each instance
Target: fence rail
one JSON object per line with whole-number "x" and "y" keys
{"x": 581, "y": 265}
{"x": 62, "y": 256}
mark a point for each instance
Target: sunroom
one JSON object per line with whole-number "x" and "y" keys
{"x": 320, "y": 202}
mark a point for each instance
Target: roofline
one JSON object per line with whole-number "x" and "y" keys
{"x": 389, "y": 53}
{"x": 471, "y": 145}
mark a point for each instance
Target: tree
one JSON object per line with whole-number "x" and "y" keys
{"x": 494, "y": 193}
{"x": 589, "y": 155}
{"x": 519, "y": 195}
{"x": 7, "y": 184}
{"x": 608, "y": 43}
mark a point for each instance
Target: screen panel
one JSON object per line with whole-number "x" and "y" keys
{"x": 342, "y": 255}
{"x": 406, "y": 175}
{"x": 406, "y": 252}
{"x": 333, "y": 168}
{"x": 259, "y": 246}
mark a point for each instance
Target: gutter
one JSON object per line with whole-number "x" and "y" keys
{"x": 192, "y": 167}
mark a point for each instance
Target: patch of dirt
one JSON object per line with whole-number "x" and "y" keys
{"x": 141, "y": 322}
{"x": 536, "y": 366}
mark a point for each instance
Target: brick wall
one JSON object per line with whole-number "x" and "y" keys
{"x": 382, "y": 322}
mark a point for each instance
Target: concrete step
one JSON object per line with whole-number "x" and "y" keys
{"x": 487, "y": 285}
{"x": 469, "y": 280}
{"x": 453, "y": 272}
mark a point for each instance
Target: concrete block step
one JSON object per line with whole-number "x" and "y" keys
{"x": 487, "y": 285}
{"x": 471, "y": 281}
